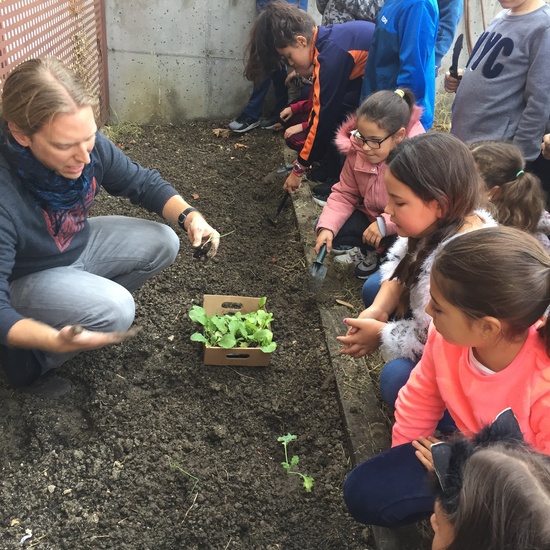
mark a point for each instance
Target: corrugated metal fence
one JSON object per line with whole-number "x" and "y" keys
{"x": 72, "y": 30}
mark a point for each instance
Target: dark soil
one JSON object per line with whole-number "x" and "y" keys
{"x": 92, "y": 469}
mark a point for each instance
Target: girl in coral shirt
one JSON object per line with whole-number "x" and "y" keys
{"x": 487, "y": 350}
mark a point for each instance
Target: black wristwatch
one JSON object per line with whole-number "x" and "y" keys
{"x": 183, "y": 216}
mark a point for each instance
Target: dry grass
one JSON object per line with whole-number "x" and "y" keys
{"x": 442, "y": 114}
{"x": 122, "y": 131}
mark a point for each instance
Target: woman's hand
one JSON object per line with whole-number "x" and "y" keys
{"x": 200, "y": 233}
{"x": 292, "y": 182}
{"x": 76, "y": 338}
{"x": 292, "y": 130}
{"x": 372, "y": 235}
{"x": 285, "y": 114}
{"x": 423, "y": 446}
{"x": 325, "y": 236}
{"x": 362, "y": 338}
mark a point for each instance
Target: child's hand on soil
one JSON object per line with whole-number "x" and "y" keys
{"x": 423, "y": 446}
{"x": 325, "y": 236}
{"x": 372, "y": 235}
{"x": 362, "y": 338}
{"x": 285, "y": 114}
{"x": 292, "y": 183}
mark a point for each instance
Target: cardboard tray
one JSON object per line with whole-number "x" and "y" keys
{"x": 219, "y": 304}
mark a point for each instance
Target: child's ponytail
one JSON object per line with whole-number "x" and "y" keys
{"x": 390, "y": 110}
{"x": 517, "y": 196}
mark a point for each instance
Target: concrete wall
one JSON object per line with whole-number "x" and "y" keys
{"x": 175, "y": 60}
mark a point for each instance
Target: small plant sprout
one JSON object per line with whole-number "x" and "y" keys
{"x": 285, "y": 440}
{"x": 235, "y": 330}
{"x": 176, "y": 466}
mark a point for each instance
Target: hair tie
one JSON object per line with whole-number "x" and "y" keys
{"x": 519, "y": 173}
{"x": 400, "y": 93}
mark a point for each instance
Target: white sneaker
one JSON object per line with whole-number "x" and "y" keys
{"x": 352, "y": 256}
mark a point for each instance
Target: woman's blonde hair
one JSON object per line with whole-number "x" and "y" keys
{"x": 37, "y": 90}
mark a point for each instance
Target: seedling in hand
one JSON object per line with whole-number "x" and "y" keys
{"x": 201, "y": 251}
{"x": 285, "y": 440}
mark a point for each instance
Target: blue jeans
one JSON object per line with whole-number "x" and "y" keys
{"x": 121, "y": 255}
{"x": 391, "y": 489}
{"x": 256, "y": 102}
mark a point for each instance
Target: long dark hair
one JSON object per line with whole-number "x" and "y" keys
{"x": 436, "y": 166}
{"x": 276, "y": 27}
{"x": 504, "y": 501}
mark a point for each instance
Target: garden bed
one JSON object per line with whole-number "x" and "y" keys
{"x": 93, "y": 469}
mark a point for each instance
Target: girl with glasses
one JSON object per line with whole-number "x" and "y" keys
{"x": 353, "y": 217}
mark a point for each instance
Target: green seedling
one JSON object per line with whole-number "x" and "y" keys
{"x": 285, "y": 440}
{"x": 176, "y": 466}
{"x": 235, "y": 330}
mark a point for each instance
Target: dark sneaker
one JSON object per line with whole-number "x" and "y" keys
{"x": 243, "y": 123}
{"x": 366, "y": 267}
{"x": 271, "y": 123}
{"x": 323, "y": 189}
{"x": 317, "y": 174}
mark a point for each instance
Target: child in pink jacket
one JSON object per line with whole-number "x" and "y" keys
{"x": 353, "y": 217}
{"x": 487, "y": 351}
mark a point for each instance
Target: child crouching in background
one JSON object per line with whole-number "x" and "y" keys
{"x": 517, "y": 196}
{"x": 354, "y": 213}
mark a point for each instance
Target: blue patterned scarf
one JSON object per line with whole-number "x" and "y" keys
{"x": 54, "y": 194}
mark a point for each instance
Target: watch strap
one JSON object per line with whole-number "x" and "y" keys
{"x": 183, "y": 215}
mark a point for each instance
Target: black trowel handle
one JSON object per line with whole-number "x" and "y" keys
{"x": 282, "y": 203}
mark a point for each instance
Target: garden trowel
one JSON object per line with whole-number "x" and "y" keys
{"x": 273, "y": 221}
{"x": 318, "y": 270}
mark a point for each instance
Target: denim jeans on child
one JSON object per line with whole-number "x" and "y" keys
{"x": 391, "y": 489}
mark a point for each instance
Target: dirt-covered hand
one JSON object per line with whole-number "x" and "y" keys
{"x": 423, "y": 446}
{"x": 77, "y": 338}
{"x": 202, "y": 236}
